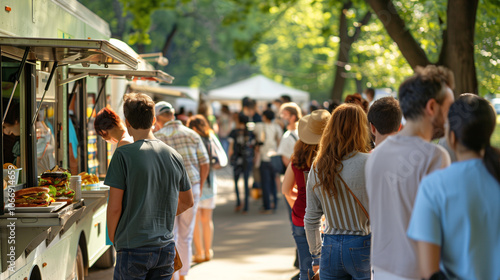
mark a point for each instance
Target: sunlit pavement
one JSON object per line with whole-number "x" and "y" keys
{"x": 252, "y": 246}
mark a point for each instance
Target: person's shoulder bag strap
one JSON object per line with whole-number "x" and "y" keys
{"x": 357, "y": 200}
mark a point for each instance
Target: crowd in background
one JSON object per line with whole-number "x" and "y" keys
{"x": 369, "y": 197}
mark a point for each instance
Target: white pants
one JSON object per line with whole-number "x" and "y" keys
{"x": 183, "y": 233}
{"x": 380, "y": 274}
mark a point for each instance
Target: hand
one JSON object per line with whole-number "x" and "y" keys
{"x": 315, "y": 268}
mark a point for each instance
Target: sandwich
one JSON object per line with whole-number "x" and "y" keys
{"x": 33, "y": 197}
{"x": 58, "y": 183}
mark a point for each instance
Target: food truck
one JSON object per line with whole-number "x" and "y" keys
{"x": 54, "y": 86}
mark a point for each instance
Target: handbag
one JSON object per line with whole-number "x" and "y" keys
{"x": 177, "y": 260}
{"x": 277, "y": 162}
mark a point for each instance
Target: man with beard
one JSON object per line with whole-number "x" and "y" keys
{"x": 396, "y": 167}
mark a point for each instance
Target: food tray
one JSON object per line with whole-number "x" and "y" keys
{"x": 54, "y": 206}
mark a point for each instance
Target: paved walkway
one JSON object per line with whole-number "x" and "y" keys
{"x": 252, "y": 246}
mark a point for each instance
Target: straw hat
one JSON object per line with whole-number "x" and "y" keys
{"x": 311, "y": 126}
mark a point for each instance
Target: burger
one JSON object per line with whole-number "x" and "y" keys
{"x": 58, "y": 183}
{"x": 33, "y": 197}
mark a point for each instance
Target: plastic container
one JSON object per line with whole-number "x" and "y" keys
{"x": 16, "y": 175}
{"x": 75, "y": 183}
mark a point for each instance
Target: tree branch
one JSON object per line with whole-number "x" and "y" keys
{"x": 364, "y": 21}
{"x": 398, "y": 31}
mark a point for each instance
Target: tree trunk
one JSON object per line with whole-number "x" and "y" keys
{"x": 345, "y": 46}
{"x": 120, "y": 28}
{"x": 169, "y": 40}
{"x": 398, "y": 31}
{"x": 459, "y": 48}
{"x": 340, "y": 74}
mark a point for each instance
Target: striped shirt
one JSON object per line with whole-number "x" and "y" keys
{"x": 343, "y": 214}
{"x": 187, "y": 143}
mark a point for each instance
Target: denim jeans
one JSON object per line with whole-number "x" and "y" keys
{"x": 268, "y": 183}
{"x": 305, "y": 259}
{"x": 345, "y": 257}
{"x": 238, "y": 170}
{"x": 145, "y": 263}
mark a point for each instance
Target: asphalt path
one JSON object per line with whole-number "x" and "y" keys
{"x": 251, "y": 246}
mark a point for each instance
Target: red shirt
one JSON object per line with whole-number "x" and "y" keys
{"x": 299, "y": 208}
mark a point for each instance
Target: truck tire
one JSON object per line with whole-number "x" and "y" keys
{"x": 107, "y": 259}
{"x": 79, "y": 268}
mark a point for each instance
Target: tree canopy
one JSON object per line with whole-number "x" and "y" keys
{"x": 297, "y": 42}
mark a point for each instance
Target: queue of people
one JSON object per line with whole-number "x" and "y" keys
{"x": 369, "y": 198}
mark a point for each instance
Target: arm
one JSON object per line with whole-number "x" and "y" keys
{"x": 185, "y": 202}
{"x": 204, "y": 169}
{"x": 287, "y": 186}
{"x": 428, "y": 256}
{"x": 230, "y": 151}
{"x": 286, "y": 160}
{"x": 114, "y": 211}
{"x": 312, "y": 218}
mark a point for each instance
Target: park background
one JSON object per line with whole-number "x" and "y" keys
{"x": 328, "y": 48}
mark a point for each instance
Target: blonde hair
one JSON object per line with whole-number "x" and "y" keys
{"x": 345, "y": 135}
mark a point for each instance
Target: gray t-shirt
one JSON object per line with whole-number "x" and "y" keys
{"x": 151, "y": 174}
{"x": 393, "y": 172}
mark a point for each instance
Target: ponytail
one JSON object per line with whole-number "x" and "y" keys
{"x": 492, "y": 161}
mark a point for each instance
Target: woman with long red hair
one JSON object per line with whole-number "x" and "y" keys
{"x": 336, "y": 188}
{"x": 108, "y": 125}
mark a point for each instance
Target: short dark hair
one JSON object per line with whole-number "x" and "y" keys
{"x": 106, "y": 119}
{"x": 139, "y": 110}
{"x": 385, "y": 115}
{"x": 268, "y": 114}
{"x": 286, "y": 98}
{"x": 370, "y": 92}
{"x": 427, "y": 83}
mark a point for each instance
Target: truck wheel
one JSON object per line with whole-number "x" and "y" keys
{"x": 107, "y": 259}
{"x": 79, "y": 269}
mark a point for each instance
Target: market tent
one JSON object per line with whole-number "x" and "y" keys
{"x": 259, "y": 88}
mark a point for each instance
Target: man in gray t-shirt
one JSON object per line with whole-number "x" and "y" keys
{"x": 149, "y": 187}
{"x": 396, "y": 167}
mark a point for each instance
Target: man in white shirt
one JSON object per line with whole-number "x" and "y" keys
{"x": 290, "y": 114}
{"x": 396, "y": 167}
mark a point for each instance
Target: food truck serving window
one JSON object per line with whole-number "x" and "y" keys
{"x": 13, "y": 125}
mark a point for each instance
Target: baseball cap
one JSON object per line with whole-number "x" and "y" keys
{"x": 163, "y": 107}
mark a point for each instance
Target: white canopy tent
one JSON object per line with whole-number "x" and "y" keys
{"x": 259, "y": 88}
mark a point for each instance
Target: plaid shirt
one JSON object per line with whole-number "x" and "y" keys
{"x": 187, "y": 143}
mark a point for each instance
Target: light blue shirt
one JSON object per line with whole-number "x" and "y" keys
{"x": 458, "y": 208}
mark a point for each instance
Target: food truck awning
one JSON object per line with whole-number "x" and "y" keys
{"x": 156, "y": 75}
{"x": 67, "y": 51}
{"x": 156, "y": 90}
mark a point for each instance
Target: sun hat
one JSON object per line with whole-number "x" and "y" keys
{"x": 163, "y": 107}
{"x": 311, "y": 127}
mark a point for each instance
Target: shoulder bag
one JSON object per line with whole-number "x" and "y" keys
{"x": 277, "y": 162}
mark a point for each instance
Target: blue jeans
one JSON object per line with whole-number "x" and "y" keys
{"x": 345, "y": 257}
{"x": 238, "y": 170}
{"x": 268, "y": 183}
{"x": 305, "y": 259}
{"x": 145, "y": 263}
{"x": 225, "y": 144}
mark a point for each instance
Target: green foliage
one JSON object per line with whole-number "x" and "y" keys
{"x": 293, "y": 41}
{"x": 487, "y": 47}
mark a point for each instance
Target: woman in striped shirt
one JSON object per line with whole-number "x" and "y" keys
{"x": 336, "y": 188}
